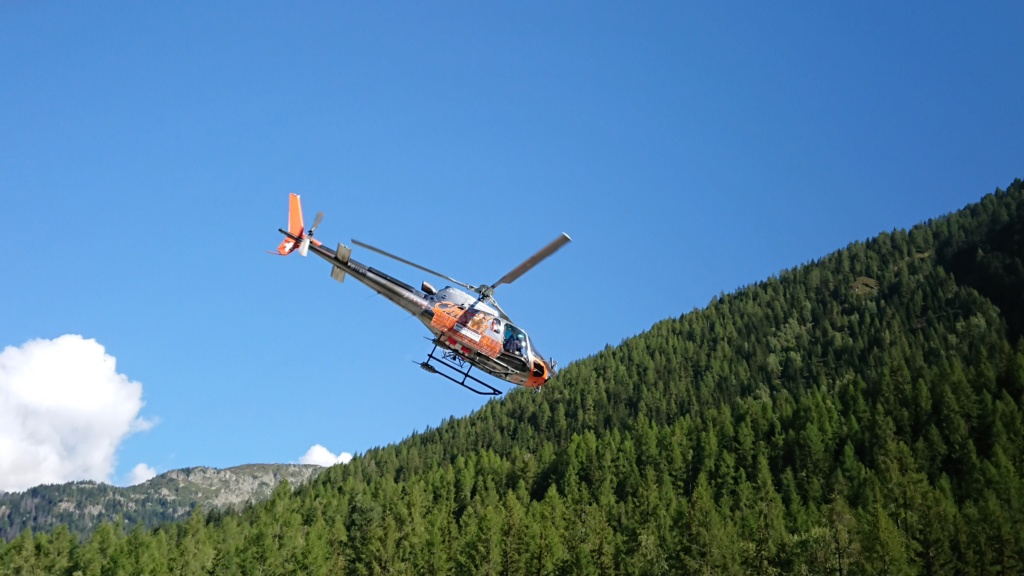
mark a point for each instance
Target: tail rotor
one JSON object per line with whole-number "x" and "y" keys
{"x": 308, "y": 237}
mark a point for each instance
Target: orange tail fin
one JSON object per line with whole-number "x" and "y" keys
{"x": 295, "y": 225}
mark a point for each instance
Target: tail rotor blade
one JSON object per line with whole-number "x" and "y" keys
{"x": 316, "y": 222}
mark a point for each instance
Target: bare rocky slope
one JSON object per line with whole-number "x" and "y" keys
{"x": 167, "y": 497}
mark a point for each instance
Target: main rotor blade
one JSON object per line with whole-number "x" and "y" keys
{"x": 534, "y": 260}
{"x": 413, "y": 264}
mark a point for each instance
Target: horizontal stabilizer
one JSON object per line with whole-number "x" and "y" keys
{"x": 338, "y": 273}
{"x": 343, "y": 253}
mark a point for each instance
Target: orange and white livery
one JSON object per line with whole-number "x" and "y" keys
{"x": 469, "y": 328}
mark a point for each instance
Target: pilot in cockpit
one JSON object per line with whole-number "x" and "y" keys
{"x": 515, "y": 341}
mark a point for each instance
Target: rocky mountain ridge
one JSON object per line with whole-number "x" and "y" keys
{"x": 167, "y": 497}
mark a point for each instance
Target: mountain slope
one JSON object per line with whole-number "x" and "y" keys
{"x": 861, "y": 414}
{"x": 164, "y": 498}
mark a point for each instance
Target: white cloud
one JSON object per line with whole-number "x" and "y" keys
{"x": 321, "y": 456}
{"x": 140, "y": 474}
{"x": 64, "y": 410}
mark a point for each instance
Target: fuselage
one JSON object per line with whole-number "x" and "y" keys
{"x": 459, "y": 321}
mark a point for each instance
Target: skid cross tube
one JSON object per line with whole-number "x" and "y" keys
{"x": 457, "y": 364}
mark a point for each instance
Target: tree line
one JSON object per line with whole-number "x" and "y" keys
{"x": 861, "y": 414}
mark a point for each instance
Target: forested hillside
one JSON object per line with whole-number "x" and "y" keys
{"x": 861, "y": 414}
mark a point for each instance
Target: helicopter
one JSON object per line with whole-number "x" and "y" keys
{"x": 469, "y": 329}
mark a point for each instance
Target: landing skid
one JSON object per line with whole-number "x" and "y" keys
{"x": 458, "y": 366}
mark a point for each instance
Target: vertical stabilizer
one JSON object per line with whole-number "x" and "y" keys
{"x": 295, "y": 225}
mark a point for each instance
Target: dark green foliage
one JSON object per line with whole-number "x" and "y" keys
{"x": 858, "y": 415}
{"x": 47, "y": 506}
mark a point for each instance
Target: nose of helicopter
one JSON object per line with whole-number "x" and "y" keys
{"x": 541, "y": 372}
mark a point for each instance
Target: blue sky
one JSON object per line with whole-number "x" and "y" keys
{"x": 147, "y": 150}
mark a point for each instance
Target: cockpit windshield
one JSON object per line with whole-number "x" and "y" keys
{"x": 515, "y": 341}
{"x": 536, "y": 353}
